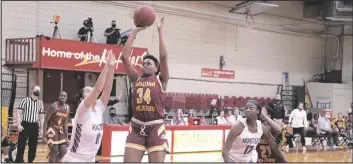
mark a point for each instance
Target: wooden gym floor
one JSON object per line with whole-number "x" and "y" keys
{"x": 312, "y": 155}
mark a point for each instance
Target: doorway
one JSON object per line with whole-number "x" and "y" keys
{"x": 55, "y": 81}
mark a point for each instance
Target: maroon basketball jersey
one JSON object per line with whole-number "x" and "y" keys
{"x": 147, "y": 99}
{"x": 59, "y": 116}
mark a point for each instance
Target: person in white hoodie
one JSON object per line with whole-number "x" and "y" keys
{"x": 298, "y": 121}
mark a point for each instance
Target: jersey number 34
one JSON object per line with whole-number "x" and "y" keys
{"x": 143, "y": 95}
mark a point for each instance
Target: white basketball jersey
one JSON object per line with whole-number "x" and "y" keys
{"x": 246, "y": 143}
{"x": 87, "y": 130}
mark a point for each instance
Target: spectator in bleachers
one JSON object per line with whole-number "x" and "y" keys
{"x": 339, "y": 124}
{"x": 350, "y": 121}
{"x": 221, "y": 120}
{"x": 279, "y": 110}
{"x": 349, "y": 134}
{"x": 179, "y": 118}
{"x": 203, "y": 121}
{"x": 113, "y": 118}
{"x": 191, "y": 113}
{"x": 230, "y": 117}
{"x": 324, "y": 128}
{"x": 313, "y": 125}
{"x": 237, "y": 115}
{"x": 112, "y": 33}
{"x": 198, "y": 112}
{"x": 214, "y": 112}
{"x": 205, "y": 112}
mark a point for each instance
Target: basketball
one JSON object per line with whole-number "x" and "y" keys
{"x": 144, "y": 16}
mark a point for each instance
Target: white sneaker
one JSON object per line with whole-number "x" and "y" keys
{"x": 304, "y": 149}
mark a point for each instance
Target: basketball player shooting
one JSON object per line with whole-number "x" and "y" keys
{"x": 245, "y": 136}
{"x": 55, "y": 128}
{"x": 147, "y": 130}
{"x": 88, "y": 124}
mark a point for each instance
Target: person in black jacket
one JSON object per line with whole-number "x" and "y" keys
{"x": 112, "y": 33}
{"x": 279, "y": 110}
{"x": 279, "y": 113}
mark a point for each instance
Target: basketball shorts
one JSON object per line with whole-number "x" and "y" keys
{"x": 55, "y": 136}
{"x": 73, "y": 157}
{"x": 150, "y": 136}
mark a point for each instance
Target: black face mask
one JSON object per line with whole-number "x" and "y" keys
{"x": 37, "y": 93}
{"x": 112, "y": 114}
{"x": 114, "y": 25}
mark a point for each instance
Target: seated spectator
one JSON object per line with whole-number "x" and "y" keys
{"x": 339, "y": 124}
{"x": 178, "y": 118}
{"x": 113, "y": 119}
{"x": 324, "y": 128}
{"x": 350, "y": 121}
{"x": 198, "y": 112}
{"x": 203, "y": 121}
{"x": 237, "y": 115}
{"x": 205, "y": 112}
{"x": 221, "y": 120}
{"x": 230, "y": 118}
{"x": 191, "y": 113}
{"x": 112, "y": 34}
{"x": 349, "y": 133}
{"x": 313, "y": 125}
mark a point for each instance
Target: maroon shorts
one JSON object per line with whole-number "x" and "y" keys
{"x": 149, "y": 137}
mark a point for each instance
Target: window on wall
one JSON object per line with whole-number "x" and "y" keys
{"x": 324, "y": 104}
{"x": 113, "y": 92}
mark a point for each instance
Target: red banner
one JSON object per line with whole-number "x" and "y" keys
{"x": 216, "y": 73}
{"x": 84, "y": 56}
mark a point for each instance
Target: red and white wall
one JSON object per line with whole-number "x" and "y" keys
{"x": 197, "y": 33}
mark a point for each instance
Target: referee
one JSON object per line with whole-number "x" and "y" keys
{"x": 31, "y": 110}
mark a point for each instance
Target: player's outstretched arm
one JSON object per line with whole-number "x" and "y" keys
{"x": 98, "y": 88}
{"x": 164, "y": 70}
{"x": 109, "y": 79}
{"x": 130, "y": 70}
{"x": 232, "y": 135}
{"x": 276, "y": 149}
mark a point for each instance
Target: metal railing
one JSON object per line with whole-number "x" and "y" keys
{"x": 20, "y": 50}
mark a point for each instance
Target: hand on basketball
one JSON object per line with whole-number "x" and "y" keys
{"x": 138, "y": 29}
{"x": 160, "y": 24}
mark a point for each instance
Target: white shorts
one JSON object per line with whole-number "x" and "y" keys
{"x": 73, "y": 157}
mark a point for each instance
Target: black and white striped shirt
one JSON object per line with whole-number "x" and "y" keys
{"x": 31, "y": 109}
